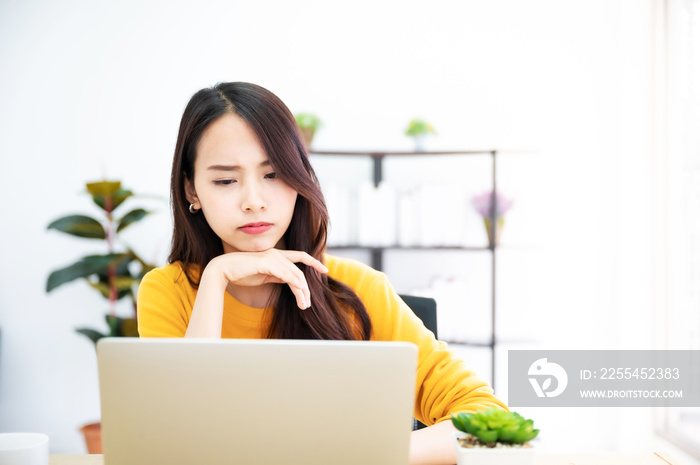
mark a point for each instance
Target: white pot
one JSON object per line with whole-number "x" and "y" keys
{"x": 419, "y": 141}
{"x": 493, "y": 456}
{"x": 24, "y": 449}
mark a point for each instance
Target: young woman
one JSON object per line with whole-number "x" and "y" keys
{"x": 248, "y": 257}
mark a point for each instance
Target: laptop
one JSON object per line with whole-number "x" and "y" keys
{"x": 254, "y": 402}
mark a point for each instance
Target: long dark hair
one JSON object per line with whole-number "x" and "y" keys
{"x": 336, "y": 311}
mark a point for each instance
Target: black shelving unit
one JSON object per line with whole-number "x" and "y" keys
{"x": 377, "y": 253}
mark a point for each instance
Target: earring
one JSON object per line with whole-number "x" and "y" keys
{"x": 192, "y": 209}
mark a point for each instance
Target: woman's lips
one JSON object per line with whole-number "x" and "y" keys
{"x": 255, "y": 228}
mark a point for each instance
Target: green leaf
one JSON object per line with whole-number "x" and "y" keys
{"x": 123, "y": 285}
{"x": 468, "y": 422}
{"x": 145, "y": 267}
{"x": 114, "y": 325}
{"x": 105, "y": 192}
{"x": 92, "y": 334}
{"x": 460, "y": 421}
{"x": 507, "y": 434}
{"x": 123, "y": 280}
{"x": 525, "y": 435}
{"x": 308, "y": 120}
{"x": 494, "y": 423}
{"x": 79, "y": 225}
{"x": 116, "y": 200}
{"x": 132, "y": 217}
{"x": 92, "y": 264}
{"x": 130, "y": 327}
{"x": 120, "y": 261}
{"x": 80, "y": 269}
{"x": 102, "y": 288}
{"x": 478, "y": 423}
{"x": 471, "y": 427}
{"x": 487, "y": 437}
{"x": 122, "y": 327}
{"x": 103, "y": 188}
{"x": 418, "y": 126}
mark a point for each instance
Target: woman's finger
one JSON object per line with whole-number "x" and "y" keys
{"x": 273, "y": 266}
{"x": 287, "y": 271}
{"x": 303, "y": 257}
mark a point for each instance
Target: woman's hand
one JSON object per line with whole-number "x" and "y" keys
{"x": 246, "y": 269}
{"x": 252, "y": 269}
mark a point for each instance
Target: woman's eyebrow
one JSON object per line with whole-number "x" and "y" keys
{"x": 234, "y": 167}
{"x": 224, "y": 168}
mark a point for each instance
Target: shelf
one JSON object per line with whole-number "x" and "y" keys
{"x": 379, "y": 154}
{"x": 416, "y": 247}
{"x": 499, "y": 342}
{"x": 489, "y": 345}
{"x": 377, "y": 252}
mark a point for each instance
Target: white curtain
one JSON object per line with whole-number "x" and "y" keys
{"x": 678, "y": 219}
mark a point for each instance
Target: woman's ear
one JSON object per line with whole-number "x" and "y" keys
{"x": 191, "y": 193}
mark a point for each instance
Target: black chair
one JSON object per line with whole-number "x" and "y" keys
{"x": 426, "y": 309}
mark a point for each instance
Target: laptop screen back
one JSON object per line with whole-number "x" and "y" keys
{"x": 184, "y": 401}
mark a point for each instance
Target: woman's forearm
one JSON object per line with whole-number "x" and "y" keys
{"x": 208, "y": 310}
{"x": 433, "y": 445}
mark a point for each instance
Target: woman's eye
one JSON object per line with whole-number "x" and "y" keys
{"x": 270, "y": 175}
{"x": 224, "y": 182}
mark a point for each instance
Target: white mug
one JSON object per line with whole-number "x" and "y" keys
{"x": 24, "y": 449}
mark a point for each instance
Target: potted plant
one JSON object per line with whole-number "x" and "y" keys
{"x": 494, "y": 437}
{"x": 484, "y": 204}
{"x": 419, "y": 129}
{"x": 308, "y": 123}
{"x": 115, "y": 275}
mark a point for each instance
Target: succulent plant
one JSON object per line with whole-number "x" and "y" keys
{"x": 494, "y": 425}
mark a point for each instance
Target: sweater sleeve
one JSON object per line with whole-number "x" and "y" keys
{"x": 162, "y": 303}
{"x": 444, "y": 384}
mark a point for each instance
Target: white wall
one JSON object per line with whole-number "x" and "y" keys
{"x": 93, "y": 89}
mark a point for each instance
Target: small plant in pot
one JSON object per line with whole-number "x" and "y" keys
{"x": 419, "y": 129}
{"x": 484, "y": 204}
{"x": 308, "y": 124}
{"x": 494, "y": 437}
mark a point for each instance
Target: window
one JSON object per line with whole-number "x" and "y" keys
{"x": 678, "y": 241}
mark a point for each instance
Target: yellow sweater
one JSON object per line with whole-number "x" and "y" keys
{"x": 444, "y": 385}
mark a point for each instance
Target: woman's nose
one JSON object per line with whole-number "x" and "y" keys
{"x": 253, "y": 199}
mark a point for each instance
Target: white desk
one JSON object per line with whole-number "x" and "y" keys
{"x": 657, "y": 458}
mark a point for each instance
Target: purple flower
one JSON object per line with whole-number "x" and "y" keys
{"x": 482, "y": 203}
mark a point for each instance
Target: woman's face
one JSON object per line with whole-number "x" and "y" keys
{"x": 243, "y": 201}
